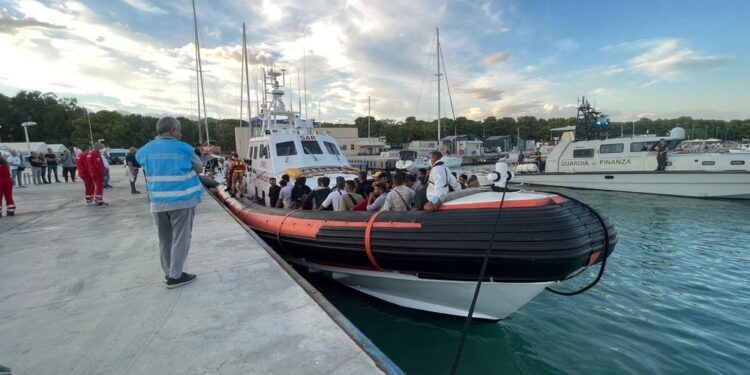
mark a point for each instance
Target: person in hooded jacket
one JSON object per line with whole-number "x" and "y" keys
{"x": 83, "y": 173}
{"x": 97, "y": 171}
{"x": 440, "y": 180}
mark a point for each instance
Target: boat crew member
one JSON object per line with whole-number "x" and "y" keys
{"x": 97, "y": 171}
{"x": 174, "y": 189}
{"x": 333, "y": 198}
{"x": 83, "y": 173}
{"x": 440, "y": 181}
{"x": 400, "y": 197}
{"x": 365, "y": 185}
{"x": 273, "y": 192}
{"x": 661, "y": 155}
{"x": 6, "y": 188}
{"x": 237, "y": 167}
{"x": 350, "y": 198}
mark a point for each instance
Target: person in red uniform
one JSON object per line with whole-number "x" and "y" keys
{"x": 83, "y": 173}
{"x": 6, "y": 188}
{"x": 237, "y": 166}
{"x": 97, "y": 171}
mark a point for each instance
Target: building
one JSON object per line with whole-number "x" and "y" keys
{"x": 462, "y": 145}
{"x": 505, "y": 142}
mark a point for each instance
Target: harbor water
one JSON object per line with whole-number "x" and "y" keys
{"x": 675, "y": 299}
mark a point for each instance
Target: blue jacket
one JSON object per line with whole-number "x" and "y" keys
{"x": 167, "y": 164}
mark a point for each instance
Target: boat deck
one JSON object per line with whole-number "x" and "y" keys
{"x": 82, "y": 292}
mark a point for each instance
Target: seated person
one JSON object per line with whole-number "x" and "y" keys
{"x": 400, "y": 197}
{"x": 350, "y": 198}
{"x": 377, "y": 198}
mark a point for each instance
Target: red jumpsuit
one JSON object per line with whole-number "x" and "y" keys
{"x": 83, "y": 173}
{"x": 96, "y": 171}
{"x": 6, "y": 189}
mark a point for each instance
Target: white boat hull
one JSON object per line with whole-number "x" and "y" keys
{"x": 496, "y": 300}
{"x": 731, "y": 185}
{"x": 415, "y": 165}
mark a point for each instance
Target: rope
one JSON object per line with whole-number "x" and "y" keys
{"x": 482, "y": 272}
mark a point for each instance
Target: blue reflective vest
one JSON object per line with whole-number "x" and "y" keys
{"x": 167, "y": 164}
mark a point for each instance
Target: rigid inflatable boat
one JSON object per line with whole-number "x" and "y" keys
{"x": 431, "y": 260}
{"x": 424, "y": 260}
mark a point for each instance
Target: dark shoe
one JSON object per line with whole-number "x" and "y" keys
{"x": 11, "y": 214}
{"x": 135, "y": 192}
{"x": 102, "y": 204}
{"x": 184, "y": 279}
{"x": 108, "y": 186}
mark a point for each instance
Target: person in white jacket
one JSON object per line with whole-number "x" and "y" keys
{"x": 440, "y": 180}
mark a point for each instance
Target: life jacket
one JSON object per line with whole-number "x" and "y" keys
{"x": 168, "y": 167}
{"x": 238, "y": 166}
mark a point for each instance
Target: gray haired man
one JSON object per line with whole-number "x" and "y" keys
{"x": 174, "y": 189}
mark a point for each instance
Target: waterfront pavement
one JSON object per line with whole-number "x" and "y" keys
{"x": 82, "y": 292}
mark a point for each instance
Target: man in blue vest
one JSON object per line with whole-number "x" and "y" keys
{"x": 174, "y": 189}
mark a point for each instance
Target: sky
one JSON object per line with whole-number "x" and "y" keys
{"x": 656, "y": 59}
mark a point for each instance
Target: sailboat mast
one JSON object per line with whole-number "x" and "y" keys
{"x": 197, "y": 78}
{"x": 437, "y": 31}
{"x": 200, "y": 74}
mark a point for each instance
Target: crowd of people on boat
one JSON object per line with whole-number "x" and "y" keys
{"x": 379, "y": 191}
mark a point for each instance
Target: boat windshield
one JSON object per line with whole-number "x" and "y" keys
{"x": 312, "y": 147}
{"x": 332, "y": 149}
{"x": 285, "y": 149}
{"x": 407, "y": 155}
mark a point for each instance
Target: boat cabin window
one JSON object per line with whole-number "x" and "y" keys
{"x": 737, "y": 162}
{"x": 708, "y": 162}
{"x": 332, "y": 149}
{"x": 612, "y": 148}
{"x": 311, "y": 147}
{"x": 640, "y": 146}
{"x": 583, "y": 153}
{"x": 254, "y": 152}
{"x": 343, "y": 147}
{"x": 263, "y": 151}
{"x": 285, "y": 149}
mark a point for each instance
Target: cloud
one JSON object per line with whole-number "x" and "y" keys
{"x": 669, "y": 58}
{"x": 495, "y": 58}
{"x": 144, "y": 6}
{"x": 483, "y": 93}
{"x": 10, "y": 25}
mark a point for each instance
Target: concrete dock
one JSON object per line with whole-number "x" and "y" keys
{"x": 82, "y": 292}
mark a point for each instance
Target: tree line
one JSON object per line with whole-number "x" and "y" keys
{"x": 62, "y": 120}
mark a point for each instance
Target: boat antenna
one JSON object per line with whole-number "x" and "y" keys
{"x": 247, "y": 75}
{"x": 257, "y": 101}
{"x": 242, "y": 71}
{"x": 299, "y": 97}
{"x": 304, "y": 72}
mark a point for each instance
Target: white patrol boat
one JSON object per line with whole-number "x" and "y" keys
{"x": 288, "y": 144}
{"x": 629, "y": 164}
{"x": 414, "y": 160}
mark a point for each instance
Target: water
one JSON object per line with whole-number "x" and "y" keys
{"x": 675, "y": 299}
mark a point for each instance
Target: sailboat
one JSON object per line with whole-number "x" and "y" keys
{"x": 413, "y": 160}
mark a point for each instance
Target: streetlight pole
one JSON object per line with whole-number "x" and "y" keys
{"x": 26, "y": 132}
{"x": 91, "y": 135}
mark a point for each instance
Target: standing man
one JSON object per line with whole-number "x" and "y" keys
{"x": 133, "y": 168}
{"x": 36, "y": 169}
{"x": 83, "y": 173}
{"x": 68, "y": 165}
{"x": 171, "y": 168}
{"x": 6, "y": 188}
{"x": 51, "y": 159}
{"x": 105, "y": 162}
{"x": 15, "y": 167}
{"x": 273, "y": 192}
{"x": 441, "y": 180}
{"x": 661, "y": 155}
{"x": 96, "y": 171}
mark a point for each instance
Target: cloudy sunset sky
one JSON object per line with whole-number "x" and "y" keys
{"x": 504, "y": 58}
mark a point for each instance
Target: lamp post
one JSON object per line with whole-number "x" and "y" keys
{"x": 26, "y": 131}
{"x": 91, "y": 136}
